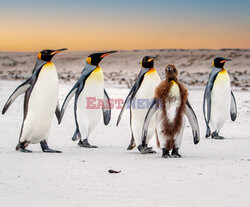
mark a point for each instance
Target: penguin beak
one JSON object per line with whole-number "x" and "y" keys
{"x": 151, "y": 59}
{"x": 225, "y": 60}
{"x": 107, "y": 53}
{"x": 57, "y": 51}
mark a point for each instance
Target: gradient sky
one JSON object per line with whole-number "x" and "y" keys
{"x": 129, "y": 24}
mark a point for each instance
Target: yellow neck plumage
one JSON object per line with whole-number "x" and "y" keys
{"x": 48, "y": 66}
{"x": 97, "y": 74}
{"x": 151, "y": 70}
{"x": 222, "y": 77}
{"x": 174, "y": 90}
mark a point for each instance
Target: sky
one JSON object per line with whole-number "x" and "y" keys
{"x": 129, "y": 24}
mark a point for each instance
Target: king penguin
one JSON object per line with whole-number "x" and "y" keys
{"x": 141, "y": 92}
{"x": 219, "y": 101}
{"x": 170, "y": 105}
{"x": 40, "y": 102}
{"x": 89, "y": 86}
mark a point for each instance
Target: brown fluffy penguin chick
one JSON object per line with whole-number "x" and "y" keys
{"x": 170, "y": 118}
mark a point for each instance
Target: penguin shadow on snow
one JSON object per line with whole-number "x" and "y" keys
{"x": 236, "y": 138}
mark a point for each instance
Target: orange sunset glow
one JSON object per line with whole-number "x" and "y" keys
{"x": 97, "y": 28}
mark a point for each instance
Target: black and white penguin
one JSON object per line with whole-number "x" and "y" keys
{"x": 170, "y": 105}
{"x": 219, "y": 101}
{"x": 142, "y": 91}
{"x": 90, "y": 85}
{"x": 40, "y": 102}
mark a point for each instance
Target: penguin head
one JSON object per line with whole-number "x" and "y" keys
{"x": 219, "y": 62}
{"x": 47, "y": 55}
{"x": 147, "y": 62}
{"x": 171, "y": 72}
{"x": 96, "y": 58}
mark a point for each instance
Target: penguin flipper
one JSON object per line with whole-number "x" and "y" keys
{"x": 57, "y": 112}
{"x": 233, "y": 108}
{"x": 128, "y": 98}
{"x": 132, "y": 92}
{"x": 19, "y": 91}
{"x": 87, "y": 70}
{"x": 153, "y": 108}
{"x": 66, "y": 101}
{"x": 106, "y": 109}
{"x": 189, "y": 112}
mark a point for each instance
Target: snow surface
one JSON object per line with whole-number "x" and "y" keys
{"x": 212, "y": 173}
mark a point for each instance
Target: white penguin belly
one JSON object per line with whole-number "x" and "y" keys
{"x": 41, "y": 106}
{"x": 173, "y": 105}
{"x": 220, "y": 101}
{"x": 88, "y": 117}
{"x": 144, "y": 97}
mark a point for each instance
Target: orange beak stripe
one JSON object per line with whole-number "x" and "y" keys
{"x": 223, "y": 61}
{"x": 104, "y": 55}
{"x": 53, "y": 53}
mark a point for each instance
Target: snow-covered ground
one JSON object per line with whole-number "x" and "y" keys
{"x": 212, "y": 173}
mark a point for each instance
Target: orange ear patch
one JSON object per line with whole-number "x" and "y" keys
{"x": 39, "y": 56}
{"x": 89, "y": 60}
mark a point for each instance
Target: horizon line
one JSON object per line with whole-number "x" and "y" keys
{"x": 163, "y": 49}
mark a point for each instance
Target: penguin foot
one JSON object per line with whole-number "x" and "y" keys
{"x": 165, "y": 153}
{"x": 208, "y": 133}
{"x": 52, "y": 151}
{"x": 76, "y": 136}
{"x": 215, "y": 135}
{"x": 132, "y": 144}
{"x": 218, "y": 137}
{"x": 22, "y": 147}
{"x": 175, "y": 153}
{"x": 45, "y": 148}
{"x": 25, "y": 150}
{"x": 145, "y": 150}
{"x": 85, "y": 144}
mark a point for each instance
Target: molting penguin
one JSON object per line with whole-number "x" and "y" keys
{"x": 171, "y": 103}
{"x": 40, "y": 102}
{"x": 142, "y": 91}
{"x": 89, "y": 86}
{"x": 219, "y": 101}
